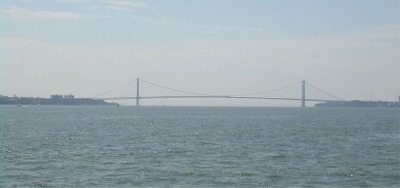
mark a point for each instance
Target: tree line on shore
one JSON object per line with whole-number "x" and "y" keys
{"x": 5, "y": 100}
{"x": 362, "y": 104}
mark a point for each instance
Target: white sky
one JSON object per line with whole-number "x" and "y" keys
{"x": 86, "y": 47}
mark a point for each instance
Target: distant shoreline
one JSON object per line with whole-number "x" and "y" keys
{"x": 71, "y": 101}
{"x": 5, "y": 100}
{"x": 360, "y": 104}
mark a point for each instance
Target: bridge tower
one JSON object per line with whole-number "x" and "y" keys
{"x": 303, "y": 93}
{"x": 137, "y": 92}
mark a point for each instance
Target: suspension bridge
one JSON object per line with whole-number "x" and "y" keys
{"x": 114, "y": 94}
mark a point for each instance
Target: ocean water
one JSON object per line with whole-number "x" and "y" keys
{"x": 94, "y": 146}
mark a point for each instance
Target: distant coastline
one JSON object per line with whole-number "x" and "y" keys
{"x": 53, "y": 100}
{"x": 360, "y": 104}
{"x": 71, "y": 100}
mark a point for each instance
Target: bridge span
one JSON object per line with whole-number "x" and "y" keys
{"x": 303, "y": 98}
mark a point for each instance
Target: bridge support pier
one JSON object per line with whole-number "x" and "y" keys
{"x": 137, "y": 92}
{"x": 303, "y": 93}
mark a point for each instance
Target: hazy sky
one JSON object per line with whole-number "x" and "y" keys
{"x": 85, "y": 47}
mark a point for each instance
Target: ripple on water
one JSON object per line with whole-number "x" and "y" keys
{"x": 206, "y": 147}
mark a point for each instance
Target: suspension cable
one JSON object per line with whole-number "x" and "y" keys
{"x": 324, "y": 91}
{"x": 192, "y": 93}
{"x": 114, "y": 89}
{"x": 203, "y": 94}
{"x": 268, "y": 90}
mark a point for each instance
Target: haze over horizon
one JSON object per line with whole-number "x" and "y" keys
{"x": 86, "y": 47}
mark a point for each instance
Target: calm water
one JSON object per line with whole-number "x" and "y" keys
{"x": 198, "y": 146}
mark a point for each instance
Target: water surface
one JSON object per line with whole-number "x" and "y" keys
{"x": 91, "y": 146}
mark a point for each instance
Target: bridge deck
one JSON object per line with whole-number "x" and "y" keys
{"x": 218, "y": 97}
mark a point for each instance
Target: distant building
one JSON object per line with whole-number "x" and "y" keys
{"x": 56, "y": 97}
{"x": 69, "y": 97}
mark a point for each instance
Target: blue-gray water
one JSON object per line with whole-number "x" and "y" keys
{"x": 94, "y": 146}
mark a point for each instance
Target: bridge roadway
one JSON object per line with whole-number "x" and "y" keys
{"x": 218, "y": 97}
